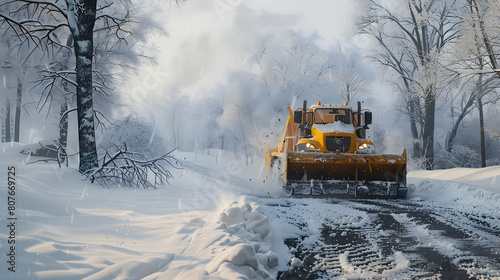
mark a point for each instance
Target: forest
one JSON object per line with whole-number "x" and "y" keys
{"x": 427, "y": 69}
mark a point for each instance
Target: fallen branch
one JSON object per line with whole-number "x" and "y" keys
{"x": 131, "y": 169}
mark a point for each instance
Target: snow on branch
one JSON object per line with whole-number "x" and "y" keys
{"x": 28, "y": 20}
{"x": 45, "y": 5}
{"x": 55, "y": 81}
{"x": 133, "y": 169}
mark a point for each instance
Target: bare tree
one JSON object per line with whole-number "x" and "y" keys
{"x": 411, "y": 42}
{"x": 348, "y": 73}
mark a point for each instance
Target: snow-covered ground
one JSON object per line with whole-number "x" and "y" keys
{"x": 217, "y": 220}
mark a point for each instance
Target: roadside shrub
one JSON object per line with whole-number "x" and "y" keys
{"x": 460, "y": 156}
{"x": 492, "y": 162}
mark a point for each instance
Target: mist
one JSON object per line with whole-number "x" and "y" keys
{"x": 225, "y": 77}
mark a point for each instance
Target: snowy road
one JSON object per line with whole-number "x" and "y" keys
{"x": 390, "y": 238}
{"x": 447, "y": 228}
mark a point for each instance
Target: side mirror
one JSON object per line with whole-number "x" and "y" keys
{"x": 368, "y": 117}
{"x": 297, "y": 116}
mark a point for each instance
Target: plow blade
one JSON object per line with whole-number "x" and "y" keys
{"x": 337, "y": 174}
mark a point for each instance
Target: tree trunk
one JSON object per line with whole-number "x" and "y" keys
{"x": 417, "y": 152}
{"x": 17, "y": 121}
{"x": 2, "y": 131}
{"x": 7, "y": 121}
{"x": 454, "y": 131}
{"x": 63, "y": 131}
{"x": 481, "y": 131}
{"x": 429, "y": 114}
{"x": 84, "y": 46}
{"x": 481, "y": 116}
{"x": 463, "y": 113}
{"x": 63, "y": 121}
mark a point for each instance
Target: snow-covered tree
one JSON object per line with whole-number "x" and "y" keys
{"x": 97, "y": 30}
{"x": 473, "y": 63}
{"x": 412, "y": 37}
{"x": 484, "y": 19}
{"x": 479, "y": 59}
{"x": 41, "y": 24}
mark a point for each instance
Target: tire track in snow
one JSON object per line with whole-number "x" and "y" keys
{"x": 404, "y": 239}
{"x": 446, "y": 247}
{"x": 348, "y": 247}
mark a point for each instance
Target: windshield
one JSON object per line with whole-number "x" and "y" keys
{"x": 330, "y": 115}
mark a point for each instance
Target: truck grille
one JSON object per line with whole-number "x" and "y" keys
{"x": 342, "y": 144}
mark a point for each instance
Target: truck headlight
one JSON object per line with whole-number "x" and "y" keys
{"x": 364, "y": 146}
{"x": 366, "y": 149}
{"x": 306, "y": 147}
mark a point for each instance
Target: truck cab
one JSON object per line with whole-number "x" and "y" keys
{"x": 333, "y": 129}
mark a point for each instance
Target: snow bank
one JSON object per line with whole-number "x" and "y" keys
{"x": 71, "y": 229}
{"x": 233, "y": 246}
{"x": 241, "y": 212}
{"x": 475, "y": 191}
{"x": 488, "y": 177}
{"x": 241, "y": 225}
{"x": 470, "y": 185}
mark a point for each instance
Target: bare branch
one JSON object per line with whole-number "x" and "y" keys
{"x": 133, "y": 169}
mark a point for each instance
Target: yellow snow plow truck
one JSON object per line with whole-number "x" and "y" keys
{"x": 324, "y": 151}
